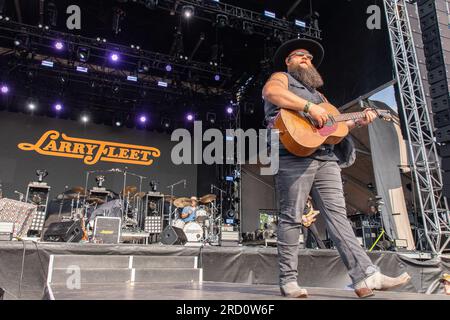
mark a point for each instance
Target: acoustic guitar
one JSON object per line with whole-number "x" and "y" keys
{"x": 301, "y": 136}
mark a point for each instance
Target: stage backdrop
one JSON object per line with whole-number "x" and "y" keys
{"x": 68, "y": 149}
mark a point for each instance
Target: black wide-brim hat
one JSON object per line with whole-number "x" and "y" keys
{"x": 286, "y": 48}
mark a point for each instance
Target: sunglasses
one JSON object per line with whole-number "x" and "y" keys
{"x": 302, "y": 54}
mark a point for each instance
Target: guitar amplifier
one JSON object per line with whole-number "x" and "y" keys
{"x": 107, "y": 229}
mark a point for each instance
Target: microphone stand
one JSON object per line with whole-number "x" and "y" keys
{"x": 221, "y": 208}
{"x": 171, "y": 194}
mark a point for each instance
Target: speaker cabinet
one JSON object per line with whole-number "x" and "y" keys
{"x": 67, "y": 231}
{"x": 173, "y": 236}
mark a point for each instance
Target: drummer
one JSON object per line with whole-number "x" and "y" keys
{"x": 188, "y": 213}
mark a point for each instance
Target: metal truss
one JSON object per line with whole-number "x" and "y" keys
{"x": 41, "y": 37}
{"x": 424, "y": 158}
{"x": 259, "y": 23}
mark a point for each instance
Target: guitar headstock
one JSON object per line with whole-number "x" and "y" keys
{"x": 383, "y": 114}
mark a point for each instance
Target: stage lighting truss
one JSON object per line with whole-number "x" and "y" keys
{"x": 85, "y": 50}
{"x": 221, "y": 14}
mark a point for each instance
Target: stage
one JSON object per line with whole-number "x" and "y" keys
{"x": 226, "y": 273}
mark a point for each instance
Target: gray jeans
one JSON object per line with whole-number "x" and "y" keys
{"x": 296, "y": 178}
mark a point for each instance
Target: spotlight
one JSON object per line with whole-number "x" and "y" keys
{"x": 41, "y": 174}
{"x": 143, "y": 66}
{"x": 118, "y": 123}
{"x": 115, "y": 87}
{"x": 85, "y": 118}
{"x": 118, "y": 120}
{"x": 248, "y": 28}
{"x": 165, "y": 123}
{"x": 230, "y": 110}
{"x": 22, "y": 42}
{"x": 114, "y": 57}
{"x": 249, "y": 108}
{"x": 269, "y": 14}
{"x": 217, "y": 77}
{"x": 168, "y": 68}
{"x": 221, "y": 20}
{"x": 151, "y": 4}
{"x": 188, "y": 11}
{"x": 211, "y": 117}
{"x": 83, "y": 54}
{"x": 4, "y": 89}
{"x": 189, "y": 117}
{"x": 58, "y": 45}
{"x": 31, "y": 106}
{"x": 142, "y": 119}
{"x": 57, "y": 107}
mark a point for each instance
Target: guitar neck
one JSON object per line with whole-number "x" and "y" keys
{"x": 349, "y": 116}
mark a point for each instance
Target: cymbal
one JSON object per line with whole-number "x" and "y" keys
{"x": 169, "y": 198}
{"x": 182, "y": 202}
{"x": 140, "y": 194}
{"x": 208, "y": 198}
{"x": 76, "y": 190}
{"x": 95, "y": 200}
{"x": 130, "y": 190}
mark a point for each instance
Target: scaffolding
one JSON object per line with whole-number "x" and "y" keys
{"x": 425, "y": 162}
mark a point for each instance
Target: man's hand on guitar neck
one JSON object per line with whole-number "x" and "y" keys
{"x": 370, "y": 117}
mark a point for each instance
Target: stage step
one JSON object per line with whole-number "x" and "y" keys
{"x": 168, "y": 275}
{"x": 73, "y": 269}
{"x": 91, "y": 261}
{"x": 89, "y": 275}
{"x": 144, "y": 262}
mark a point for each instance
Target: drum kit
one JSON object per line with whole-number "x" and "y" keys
{"x": 205, "y": 227}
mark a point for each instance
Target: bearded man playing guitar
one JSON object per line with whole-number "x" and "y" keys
{"x": 295, "y": 92}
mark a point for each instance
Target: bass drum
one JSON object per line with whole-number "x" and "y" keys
{"x": 193, "y": 231}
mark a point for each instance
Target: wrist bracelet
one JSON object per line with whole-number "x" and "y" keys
{"x": 307, "y": 106}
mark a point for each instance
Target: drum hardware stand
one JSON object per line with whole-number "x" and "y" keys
{"x": 171, "y": 194}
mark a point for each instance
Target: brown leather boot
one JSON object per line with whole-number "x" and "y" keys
{"x": 379, "y": 281}
{"x": 292, "y": 290}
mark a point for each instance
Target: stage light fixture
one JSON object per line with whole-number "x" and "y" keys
{"x": 57, "y": 107}
{"x": 83, "y": 54}
{"x": 165, "y": 122}
{"x": 189, "y": 117}
{"x": 211, "y": 117}
{"x": 151, "y": 4}
{"x": 188, "y": 11}
{"x": 84, "y": 118}
{"x": 58, "y": 45}
{"x": 31, "y": 106}
{"x": 248, "y": 28}
{"x": 230, "y": 110}
{"x": 168, "y": 68}
{"x": 142, "y": 119}
{"x": 114, "y": 57}
{"x": 4, "y": 89}
{"x": 162, "y": 84}
{"x": 300, "y": 23}
{"x": 221, "y": 20}
{"x": 143, "y": 66}
{"x": 269, "y": 14}
{"x": 217, "y": 77}
{"x": 82, "y": 69}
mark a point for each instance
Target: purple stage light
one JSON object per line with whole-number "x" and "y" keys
{"x": 58, "y": 107}
{"x": 230, "y": 110}
{"x": 168, "y": 68}
{"x": 189, "y": 117}
{"x": 142, "y": 119}
{"x": 217, "y": 77}
{"x": 4, "y": 89}
{"x": 59, "y": 45}
{"x": 114, "y": 57}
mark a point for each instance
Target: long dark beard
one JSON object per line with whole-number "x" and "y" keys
{"x": 308, "y": 76}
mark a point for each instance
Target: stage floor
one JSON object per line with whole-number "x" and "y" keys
{"x": 243, "y": 272}
{"x": 217, "y": 291}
